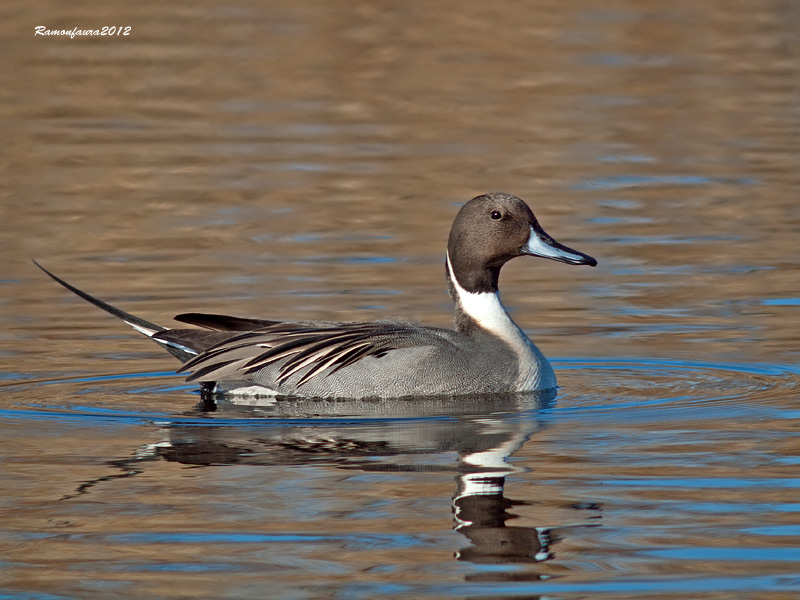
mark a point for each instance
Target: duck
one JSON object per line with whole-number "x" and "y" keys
{"x": 486, "y": 353}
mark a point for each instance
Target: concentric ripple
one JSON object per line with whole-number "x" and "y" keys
{"x": 624, "y": 383}
{"x": 586, "y": 384}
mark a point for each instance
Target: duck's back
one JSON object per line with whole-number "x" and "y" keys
{"x": 356, "y": 360}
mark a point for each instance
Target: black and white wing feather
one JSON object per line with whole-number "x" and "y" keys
{"x": 292, "y": 348}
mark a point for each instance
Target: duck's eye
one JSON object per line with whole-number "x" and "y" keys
{"x": 496, "y": 215}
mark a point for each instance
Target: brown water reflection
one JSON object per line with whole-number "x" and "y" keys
{"x": 291, "y": 159}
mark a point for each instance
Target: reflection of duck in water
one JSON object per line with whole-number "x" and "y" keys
{"x": 480, "y": 506}
{"x": 344, "y": 431}
{"x": 486, "y": 354}
{"x": 395, "y": 435}
{"x": 480, "y": 510}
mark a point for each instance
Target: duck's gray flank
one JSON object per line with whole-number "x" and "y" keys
{"x": 486, "y": 353}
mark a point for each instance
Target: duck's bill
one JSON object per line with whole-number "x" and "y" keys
{"x": 542, "y": 245}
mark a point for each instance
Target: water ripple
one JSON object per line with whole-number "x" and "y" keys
{"x": 587, "y": 384}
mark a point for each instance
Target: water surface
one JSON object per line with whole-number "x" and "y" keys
{"x": 296, "y": 160}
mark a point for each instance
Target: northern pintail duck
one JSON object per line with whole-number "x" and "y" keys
{"x": 487, "y": 353}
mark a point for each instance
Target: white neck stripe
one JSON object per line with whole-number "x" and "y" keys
{"x": 486, "y": 310}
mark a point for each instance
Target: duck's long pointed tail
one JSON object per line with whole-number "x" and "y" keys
{"x": 141, "y": 325}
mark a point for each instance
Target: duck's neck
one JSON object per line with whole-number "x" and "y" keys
{"x": 483, "y": 309}
{"x": 481, "y": 312}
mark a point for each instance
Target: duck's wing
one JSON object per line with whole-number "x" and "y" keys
{"x": 233, "y": 348}
{"x": 296, "y": 347}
